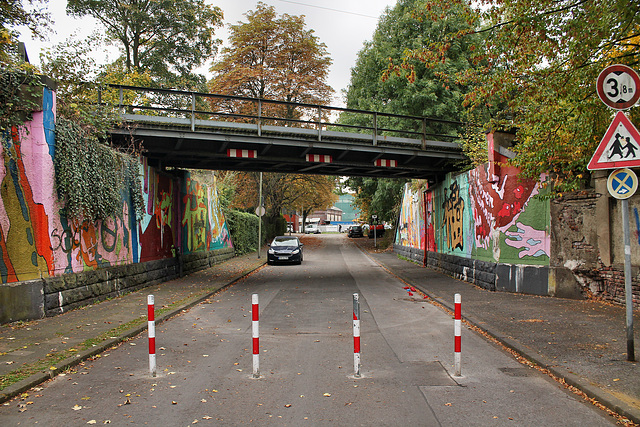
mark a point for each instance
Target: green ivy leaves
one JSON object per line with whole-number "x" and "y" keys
{"x": 92, "y": 179}
{"x": 20, "y": 95}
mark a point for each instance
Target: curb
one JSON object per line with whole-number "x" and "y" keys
{"x": 605, "y": 399}
{"x": 26, "y": 384}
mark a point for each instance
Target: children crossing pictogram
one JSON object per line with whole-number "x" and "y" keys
{"x": 620, "y": 146}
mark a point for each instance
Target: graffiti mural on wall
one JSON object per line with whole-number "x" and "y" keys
{"x": 26, "y": 251}
{"x": 159, "y": 226}
{"x": 203, "y": 222}
{"x": 411, "y": 212}
{"x": 430, "y": 226}
{"x": 452, "y": 217}
{"x": 453, "y": 210}
{"x": 509, "y": 221}
{"x": 37, "y": 240}
{"x": 88, "y": 245}
{"x": 499, "y": 221}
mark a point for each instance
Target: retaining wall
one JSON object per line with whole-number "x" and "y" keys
{"x": 50, "y": 296}
{"x": 50, "y": 263}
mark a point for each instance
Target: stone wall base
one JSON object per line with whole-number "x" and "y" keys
{"x": 35, "y": 299}
{"x": 494, "y": 276}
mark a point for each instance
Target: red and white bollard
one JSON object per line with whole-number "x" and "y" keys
{"x": 458, "y": 334}
{"x": 152, "y": 334}
{"x": 356, "y": 335}
{"x": 255, "y": 332}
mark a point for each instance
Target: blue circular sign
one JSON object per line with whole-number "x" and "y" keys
{"x": 622, "y": 183}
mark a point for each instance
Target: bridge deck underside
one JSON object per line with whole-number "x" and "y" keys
{"x": 171, "y": 142}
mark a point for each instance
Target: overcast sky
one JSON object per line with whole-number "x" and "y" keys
{"x": 343, "y": 25}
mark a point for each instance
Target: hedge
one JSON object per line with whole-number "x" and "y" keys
{"x": 243, "y": 227}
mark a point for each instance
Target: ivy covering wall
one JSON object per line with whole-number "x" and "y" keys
{"x": 142, "y": 214}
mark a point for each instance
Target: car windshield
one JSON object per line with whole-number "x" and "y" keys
{"x": 285, "y": 241}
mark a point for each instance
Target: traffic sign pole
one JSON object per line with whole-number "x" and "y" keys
{"x": 622, "y": 184}
{"x": 375, "y": 231}
{"x": 618, "y": 86}
{"x": 627, "y": 281}
{"x": 259, "y": 216}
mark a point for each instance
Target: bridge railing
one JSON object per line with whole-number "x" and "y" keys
{"x": 197, "y": 106}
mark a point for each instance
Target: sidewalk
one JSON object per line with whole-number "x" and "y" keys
{"x": 582, "y": 342}
{"x": 51, "y": 345}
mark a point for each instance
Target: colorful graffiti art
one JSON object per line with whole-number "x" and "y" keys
{"x": 159, "y": 226}
{"x": 37, "y": 240}
{"x": 470, "y": 215}
{"x": 506, "y": 212}
{"x": 430, "y": 227}
{"x": 453, "y": 209}
{"x": 411, "y": 226}
{"x": 204, "y": 227}
{"x": 26, "y": 250}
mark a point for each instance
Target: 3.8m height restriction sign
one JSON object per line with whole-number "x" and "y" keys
{"x": 619, "y": 86}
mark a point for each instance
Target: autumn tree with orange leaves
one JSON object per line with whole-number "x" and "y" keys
{"x": 277, "y": 58}
{"x": 272, "y": 57}
{"x": 280, "y": 192}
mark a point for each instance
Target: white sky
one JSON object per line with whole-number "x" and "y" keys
{"x": 343, "y": 33}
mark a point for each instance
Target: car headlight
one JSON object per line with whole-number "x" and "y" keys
{"x": 295, "y": 251}
{"x": 271, "y": 251}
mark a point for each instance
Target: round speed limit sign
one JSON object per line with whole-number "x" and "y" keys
{"x": 619, "y": 86}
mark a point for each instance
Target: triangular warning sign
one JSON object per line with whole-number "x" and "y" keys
{"x": 620, "y": 146}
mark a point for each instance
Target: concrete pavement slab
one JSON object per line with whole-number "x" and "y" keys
{"x": 581, "y": 342}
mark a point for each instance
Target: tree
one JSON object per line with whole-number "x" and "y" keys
{"x": 311, "y": 193}
{"x": 285, "y": 192}
{"x": 424, "y": 92}
{"x": 540, "y": 63}
{"x": 273, "y": 57}
{"x": 378, "y": 196}
{"x": 13, "y": 14}
{"x": 418, "y": 87}
{"x": 167, "y": 38}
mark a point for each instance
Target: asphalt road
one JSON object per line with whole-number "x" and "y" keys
{"x": 306, "y": 362}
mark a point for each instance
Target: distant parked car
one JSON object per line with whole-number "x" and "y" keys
{"x": 311, "y": 229}
{"x": 356, "y": 231}
{"x": 285, "y": 249}
{"x": 376, "y": 231}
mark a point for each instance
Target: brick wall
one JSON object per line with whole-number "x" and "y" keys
{"x": 595, "y": 259}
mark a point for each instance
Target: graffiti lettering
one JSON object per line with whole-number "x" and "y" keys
{"x": 67, "y": 240}
{"x": 453, "y": 214}
{"x": 109, "y": 236}
{"x": 83, "y": 236}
